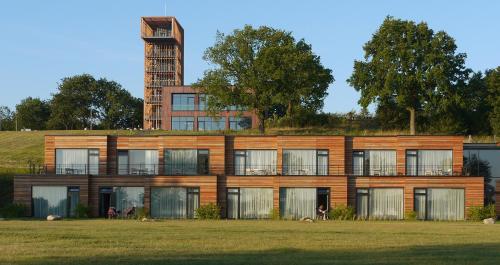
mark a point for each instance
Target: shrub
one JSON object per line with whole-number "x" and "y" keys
{"x": 478, "y": 213}
{"x": 81, "y": 211}
{"x": 411, "y": 216}
{"x": 208, "y": 211}
{"x": 342, "y": 212}
{"x": 141, "y": 213}
{"x": 274, "y": 214}
{"x": 13, "y": 210}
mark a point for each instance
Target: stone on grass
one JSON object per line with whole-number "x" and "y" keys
{"x": 54, "y": 217}
{"x": 306, "y": 219}
{"x": 489, "y": 221}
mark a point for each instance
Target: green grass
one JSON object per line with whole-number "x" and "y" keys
{"x": 247, "y": 242}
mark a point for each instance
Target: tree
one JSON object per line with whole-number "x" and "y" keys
{"x": 33, "y": 113}
{"x": 264, "y": 70}
{"x": 412, "y": 66}
{"x": 84, "y": 102}
{"x": 493, "y": 85}
{"x": 6, "y": 119}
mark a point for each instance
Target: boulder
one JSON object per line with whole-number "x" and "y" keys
{"x": 54, "y": 217}
{"x": 489, "y": 221}
{"x": 306, "y": 219}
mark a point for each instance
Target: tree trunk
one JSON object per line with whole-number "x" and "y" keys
{"x": 412, "y": 120}
{"x": 289, "y": 114}
{"x": 262, "y": 127}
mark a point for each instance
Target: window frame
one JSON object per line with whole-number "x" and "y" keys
{"x": 245, "y": 164}
{"x": 118, "y": 151}
{"x": 316, "y": 158}
{"x": 197, "y": 161}
{"x": 87, "y": 167}
{"x": 183, "y": 97}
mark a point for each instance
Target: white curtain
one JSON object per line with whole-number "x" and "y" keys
{"x": 239, "y": 163}
{"x": 49, "y": 200}
{"x": 128, "y": 197}
{"x": 299, "y": 162}
{"x": 256, "y": 203}
{"x": 232, "y": 203}
{"x": 123, "y": 167}
{"x": 261, "y": 162}
{"x": 382, "y": 162}
{"x": 193, "y": 202}
{"x": 358, "y": 163}
{"x": 181, "y": 162}
{"x": 435, "y": 162}
{"x": 386, "y": 203}
{"x": 296, "y": 203}
{"x": 411, "y": 163}
{"x": 322, "y": 163}
{"x": 169, "y": 202}
{"x": 143, "y": 161}
{"x": 445, "y": 204}
{"x": 71, "y": 161}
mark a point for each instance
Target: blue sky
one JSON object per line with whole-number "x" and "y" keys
{"x": 44, "y": 41}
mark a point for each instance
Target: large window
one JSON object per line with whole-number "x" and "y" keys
{"x": 77, "y": 161}
{"x": 439, "y": 204}
{"x": 374, "y": 162}
{"x": 137, "y": 162}
{"x": 296, "y": 203}
{"x": 174, "y": 202}
{"x": 55, "y": 200}
{"x": 202, "y": 102}
{"x": 429, "y": 162}
{"x": 305, "y": 162}
{"x": 182, "y": 123}
{"x": 183, "y": 101}
{"x": 380, "y": 203}
{"x": 255, "y": 162}
{"x": 249, "y": 203}
{"x": 240, "y": 123}
{"x": 211, "y": 124}
{"x": 123, "y": 199}
{"x": 186, "y": 162}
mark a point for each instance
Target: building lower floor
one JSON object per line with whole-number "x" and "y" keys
{"x": 252, "y": 197}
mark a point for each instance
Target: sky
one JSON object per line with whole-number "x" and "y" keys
{"x": 45, "y": 41}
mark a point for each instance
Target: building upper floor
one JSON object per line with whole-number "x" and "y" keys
{"x": 235, "y": 155}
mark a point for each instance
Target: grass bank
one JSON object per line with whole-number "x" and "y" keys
{"x": 247, "y": 242}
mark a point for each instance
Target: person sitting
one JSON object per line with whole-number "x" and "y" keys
{"x": 322, "y": 212}
{"x": 130, "y": 212}
{"x": 112, "y": 214}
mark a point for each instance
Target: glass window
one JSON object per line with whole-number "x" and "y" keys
{"x": 211, "y": 124}
{"x": 77, "y": 161}
{"x": 420, "y": 201}
{"x": 374, "y": 162}
{"x": 49, "y": 200}
{"x": 137, "y": 162}
{"x": 202, "y": 102}
{"x": 380, "y": 203}
{"x": 174, "y": 202}
{"x": 440, "y": 204}
{"x": 305, "y": 162}
{"x": 73, "y": 200}
{"x": 240, "y": 123}
{"x": 255, "y": 162}
{"x": 249, "y": 203}
{"x": 186, "y": 162}
{"x": 429, "y": 162}
{"x": 296, "y": 203}
{"x": 183, "y": 101}
{"x": 183, "y": 123}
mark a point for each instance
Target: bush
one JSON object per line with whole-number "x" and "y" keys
{"x": 141, "y": 213}
{"x": 342, "y": 212}
{"x": 81, "y": 211}
{"x": 208, "y": 211}
{"x": 274, "y": 214}
{"x": 13, "y": 210}
{"x": 478, "y": 213}
{"x": 411, "y": 216}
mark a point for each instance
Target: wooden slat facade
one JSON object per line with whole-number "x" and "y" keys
{"x": 221, "y": 162}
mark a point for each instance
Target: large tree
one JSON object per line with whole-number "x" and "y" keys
{"x": 493, "y": 85}
{"x": 84, "y": 102}
{"x": 412, "y": 66}
{"x": 33, "y": 113}
{"x": 6, "y": 119}
{"x": 265, "y": 70}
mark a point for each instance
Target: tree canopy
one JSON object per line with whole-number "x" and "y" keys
{"x": 32, "y": 113}
{"x": 493, "y": 85}
{"x": 265, "y": 70}
{"x": 412, "y": 67}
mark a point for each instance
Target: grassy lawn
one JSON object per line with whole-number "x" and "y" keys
{"x": 247, "y": 242}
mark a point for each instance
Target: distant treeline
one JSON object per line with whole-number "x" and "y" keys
{"x": 80, "y": 102}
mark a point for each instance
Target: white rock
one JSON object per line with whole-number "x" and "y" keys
{"x": 53, "y": 217}
{"x": 306, "y": 219}
{"x": 489, "y": 221}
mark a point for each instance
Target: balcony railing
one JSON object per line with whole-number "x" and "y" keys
{"x": 76, "y": 169}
